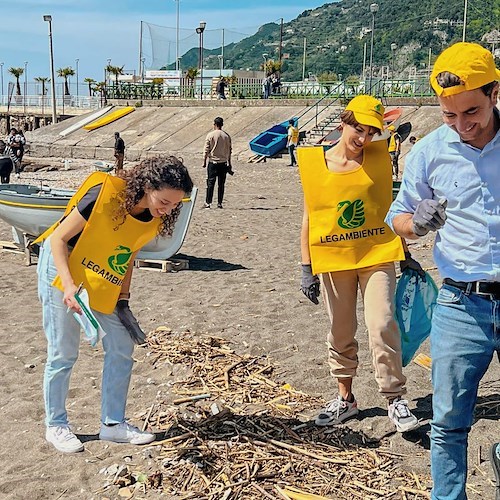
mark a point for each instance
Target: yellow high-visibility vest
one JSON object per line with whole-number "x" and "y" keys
{"x": 347, "y": 211}
{"x": 293, "y": 135}
{"x": 103, "y": 252}
{"x": 393, "y": 147}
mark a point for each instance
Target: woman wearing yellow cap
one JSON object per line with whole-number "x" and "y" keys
{"x": 345, "y": 244}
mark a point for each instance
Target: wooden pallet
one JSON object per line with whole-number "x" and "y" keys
{"x": 10, "y": 246}
{"x": 257, "y": 159}
{"x": 164, "y": 266}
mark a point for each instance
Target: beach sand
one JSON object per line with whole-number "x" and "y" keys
{"x": 242, "y": 284}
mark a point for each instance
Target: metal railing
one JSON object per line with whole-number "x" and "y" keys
{"x": 21, "y": 102}
{"x": 192, "y": 90}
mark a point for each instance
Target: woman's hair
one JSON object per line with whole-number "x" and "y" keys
{"x": 348, "y": 118}
{"x": 154, "y": 174}
{"x": 447, "y": 80}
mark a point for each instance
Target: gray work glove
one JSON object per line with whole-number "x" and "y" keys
{"x": 430, "y": 215}
{"x": 411, "y": 263}
{"x": 128, "y": 320}
{"x": 309, "y": 284}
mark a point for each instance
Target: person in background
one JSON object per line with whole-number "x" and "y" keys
{"x": 394, "y": 149}
{"x": 266, "y": 86}
{"x": 218, "y": 155}
{"x": 345, "y": 244}
{"x": 16, "y": 142}
{"x": 119, "y": 152}
{"x": 292, "y": 141}
{"x": 106, "y": 223}
{"x": 451, "y": 186}
{"x": 7, "y": 161}
{"x": 221, "y": 88}
{"x": 412, "y": 140}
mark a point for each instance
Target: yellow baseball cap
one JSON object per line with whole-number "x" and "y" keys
{"x": 471, "y": 62}
{"x": 392, "y": 128}
{"x": 367, "y": 111}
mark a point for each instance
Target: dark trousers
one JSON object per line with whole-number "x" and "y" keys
{"x": 395, "y": 164}
{"x": 5, "y": 170}
{"x": 291, "y": 150}
{"x": 216, "y": 172}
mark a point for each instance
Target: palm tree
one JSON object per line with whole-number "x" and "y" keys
{"x": 100, "y": 87}
{"x": 17, "y": 72}
{"x": 43, "y": 80}
{"x": 114, "y": 70}
{"x": 89, "y": 82}
{"x": 271, "y": 66}
{"x": 64, "y": 73}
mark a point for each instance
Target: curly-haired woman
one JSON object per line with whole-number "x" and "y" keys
{"x": 344, "y": 240}
{"x": 106, "y": 223}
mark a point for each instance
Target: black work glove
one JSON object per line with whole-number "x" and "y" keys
{"x": 129, "y": 322}
{"x": 411, "y": 263}
{"x": 430, "y": 215}
{"x": 309, "y": 284}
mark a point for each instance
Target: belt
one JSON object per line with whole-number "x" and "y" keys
{"x": 478, "y": 287}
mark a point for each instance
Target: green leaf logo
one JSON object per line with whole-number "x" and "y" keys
{"x": 119, "y": 261}
{"x": 353, "y": 214}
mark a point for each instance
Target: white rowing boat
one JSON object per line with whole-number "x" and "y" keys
{"x": 30, "y": 210}
{"x": 85, "y": 120}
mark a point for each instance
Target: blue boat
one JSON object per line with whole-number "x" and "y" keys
{"x": 272, "y": 141}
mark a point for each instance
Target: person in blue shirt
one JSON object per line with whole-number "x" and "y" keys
{"x": 451, "y": 186}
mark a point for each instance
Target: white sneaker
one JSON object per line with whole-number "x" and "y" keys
{"x": 400, "y": 414}
{"x": 63, "y": 439}
{"x": 125, "y": 433}
{"x": 336, "y": 411}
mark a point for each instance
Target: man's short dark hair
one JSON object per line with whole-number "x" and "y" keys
{"x": 447, "y": 80}
{"x": 291, "y": 121}
{"x": 117, "y": 134}
{"x": 218, "y": 122}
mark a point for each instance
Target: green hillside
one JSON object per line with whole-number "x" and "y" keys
{"x": 336, "y": 34}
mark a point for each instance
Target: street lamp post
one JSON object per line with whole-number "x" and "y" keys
{"x": 106, "y": 72}
{"x": 52, "y": 76}
{"x": 25, "y": 84}
{"x": 373, "y": 10}
{"x": 200, "y": 29}
{"x": 221, "y": 58}
{"x": 177, "y": 67}
{"x": 465, "y": 21}
{"x": 1, "y": 74}
{"x": 76, "y": 62}
{"x": 393, "y": 50}
{"x": 143, "y": 62}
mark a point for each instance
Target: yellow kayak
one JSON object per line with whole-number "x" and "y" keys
{"x": 109, "y": 118}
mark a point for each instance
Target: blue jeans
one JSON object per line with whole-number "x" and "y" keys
{"x": 464, "y": 337}
{"x": 63, "y": 337}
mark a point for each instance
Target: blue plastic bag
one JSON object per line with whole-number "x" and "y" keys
{"x": 414, "y": 302}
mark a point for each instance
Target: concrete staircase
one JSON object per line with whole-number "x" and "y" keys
{"x": 325, "y": 126}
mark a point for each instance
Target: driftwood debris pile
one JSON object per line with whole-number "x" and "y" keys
{"x": 233, "y": 432}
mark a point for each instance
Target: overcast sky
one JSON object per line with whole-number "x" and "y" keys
{"x": 94, "y": 31}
